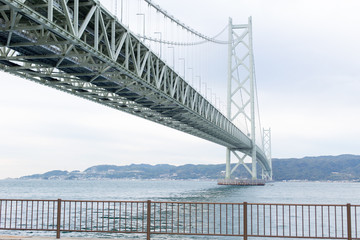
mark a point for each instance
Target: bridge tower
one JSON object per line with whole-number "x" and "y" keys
{"x": 241, "y": 92}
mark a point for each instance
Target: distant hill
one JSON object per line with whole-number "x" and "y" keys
{"x": 333, "y": 168}
{"x": 323, "y": 168}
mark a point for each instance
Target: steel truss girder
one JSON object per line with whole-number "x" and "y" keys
{"x": 102, "y": 61}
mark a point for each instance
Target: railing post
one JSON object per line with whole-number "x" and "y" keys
{"x": 348, "y": 208}
{"x": 58, "y": 218}
{"x": 245, "y": 220}
{"x": 148, "y": 218}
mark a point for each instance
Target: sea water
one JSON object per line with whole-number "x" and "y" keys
{"x": 190, "y": 191}
{"x": 178, "y": 191}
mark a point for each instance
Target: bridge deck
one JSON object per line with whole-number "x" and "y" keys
{"x": 85, "y": 51}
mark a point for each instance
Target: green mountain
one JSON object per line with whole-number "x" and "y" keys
{"x": 323, "y": 168}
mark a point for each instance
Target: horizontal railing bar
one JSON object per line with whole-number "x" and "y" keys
{"x": 299, "y": 204}
{"x": 197, "y": 234}
{"x": 117, "y": 201}
{"x": 30, "y": 200}
{"x": 223, "y": 203}
{"x": 89, "y": 231}
{"x": 106, "y": 201}
{"x": 302, "y": 237}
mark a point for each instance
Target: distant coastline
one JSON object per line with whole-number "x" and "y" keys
{"x": 323, "y": 168}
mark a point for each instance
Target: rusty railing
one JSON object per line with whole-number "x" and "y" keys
{"x": 183, "y": 218}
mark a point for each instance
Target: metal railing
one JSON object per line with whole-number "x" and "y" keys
{"x": 183, "y": 218}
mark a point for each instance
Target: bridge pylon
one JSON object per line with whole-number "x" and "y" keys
{"x": 241, "y": 94}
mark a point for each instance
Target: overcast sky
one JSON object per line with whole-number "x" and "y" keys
{"x": 308, "y": 77}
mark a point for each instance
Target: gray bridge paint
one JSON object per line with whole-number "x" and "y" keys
{"x": 82, "y": 49}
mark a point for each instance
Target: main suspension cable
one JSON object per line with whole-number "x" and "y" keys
{"x": 182, "y": 43}
{"x": 172, "y": 18}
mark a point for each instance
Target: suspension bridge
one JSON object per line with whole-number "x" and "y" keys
{"x": 138, "y": 60}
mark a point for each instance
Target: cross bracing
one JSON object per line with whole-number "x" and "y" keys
{"x": 78, "y": 47}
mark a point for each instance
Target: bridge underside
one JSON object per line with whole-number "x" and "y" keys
{"x": 86, "y": 52}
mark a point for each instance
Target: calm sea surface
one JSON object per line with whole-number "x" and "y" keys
{"x": 194, "y": 191}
